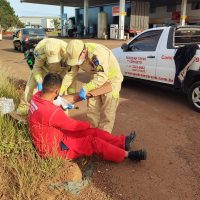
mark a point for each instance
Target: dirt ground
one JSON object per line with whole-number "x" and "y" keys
{"x": 166, "y": 126}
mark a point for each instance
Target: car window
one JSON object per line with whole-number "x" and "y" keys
{"x": 184, "y": 36}
{"x": 146, "y": 42}
{"x": 32, "y": 31}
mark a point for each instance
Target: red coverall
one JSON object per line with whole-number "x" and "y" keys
{"x": 49, "y": 125}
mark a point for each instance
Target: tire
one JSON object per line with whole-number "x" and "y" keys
{"x": 194, "y": 96}
{"x": 21, "y": 48}
{"x": 15, "y": 48}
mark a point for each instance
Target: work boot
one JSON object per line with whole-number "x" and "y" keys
{"x": 137, "y": 155}
{"x": 129, "y": 140}
{"x": 22, "y": 109}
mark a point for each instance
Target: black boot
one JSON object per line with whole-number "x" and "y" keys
{"x": 138, "y": 155}
{"x": 129, "y": 139}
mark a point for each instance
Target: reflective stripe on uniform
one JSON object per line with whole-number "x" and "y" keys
{"x": 38, "y": 78}
{"x": 62, "y": 89}
{"x": 115, "y": 95}
{"x": 112, "y": 73}
{"x": 90, "y": 86}
{"x": 91, "y": 47}
{"x": 71, "y": 90}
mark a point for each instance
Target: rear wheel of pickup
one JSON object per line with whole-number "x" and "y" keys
{"x": 194, "y": 96}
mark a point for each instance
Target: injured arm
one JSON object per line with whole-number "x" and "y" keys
{"x": 65, "y": 100}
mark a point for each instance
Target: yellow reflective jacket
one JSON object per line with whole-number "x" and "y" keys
{"x": 102, "y": 64}
{"x": 41, "y": 64}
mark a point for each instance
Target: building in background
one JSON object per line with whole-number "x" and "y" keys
{"x": 140, "y": 15}
{"x": 170, "y": 14}
{"x": 112, "y": 17}
{"x": 97, "y": 18}
{"x": 37, "y": 22}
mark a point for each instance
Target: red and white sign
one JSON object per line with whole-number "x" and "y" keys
{"x": 115, "y": 11}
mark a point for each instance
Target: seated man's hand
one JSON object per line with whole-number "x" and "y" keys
{"x": 82, "y": 94}
{"x": 39, "y": 87}
{"x": 69, "y": 106}
{"x": 60, "y": 101}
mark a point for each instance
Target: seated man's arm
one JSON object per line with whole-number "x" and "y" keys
{"x": 68, "y": 125}
{"x": 72, "y": 98}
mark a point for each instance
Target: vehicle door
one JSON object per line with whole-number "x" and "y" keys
{"x": 165, "y": 71}
{"x": 140, "y": 60}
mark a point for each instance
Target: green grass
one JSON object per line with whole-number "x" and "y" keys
{"x": 53, "y": 33}
{"x": 23, "y": 171}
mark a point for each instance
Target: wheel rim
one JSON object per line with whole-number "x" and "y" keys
{"x": 196, "y": 96}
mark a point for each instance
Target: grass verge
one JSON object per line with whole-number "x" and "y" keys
{"x": 22, "y": 171}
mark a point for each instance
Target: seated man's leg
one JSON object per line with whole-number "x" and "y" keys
{"x": 87, "y": 146}
{"x": 115, "y": 140}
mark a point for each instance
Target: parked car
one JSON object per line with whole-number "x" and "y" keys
{"x": 149, "y": 56}
{"x": 27, "y": 38}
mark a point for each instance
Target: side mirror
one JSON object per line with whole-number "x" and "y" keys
{"x": 124, "y": 47}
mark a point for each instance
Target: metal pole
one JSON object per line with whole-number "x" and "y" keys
{"x": 121, "y": 19}
{"x": 183, "y": 12}
{"x": 62, "y": 18}
{"x": 85, "y": 16}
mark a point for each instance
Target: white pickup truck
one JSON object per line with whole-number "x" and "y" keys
{"x": 150, "y": 56}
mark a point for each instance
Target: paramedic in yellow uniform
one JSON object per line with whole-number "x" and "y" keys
{"x": 50, "y": 56}
{"x": 99, "y": 61}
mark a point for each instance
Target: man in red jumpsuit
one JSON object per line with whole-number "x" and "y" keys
{"x": 56, "y": 134}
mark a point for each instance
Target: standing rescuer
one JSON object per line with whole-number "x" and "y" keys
{"x": 99, "y": 61}
{"x": 50, "y": 56}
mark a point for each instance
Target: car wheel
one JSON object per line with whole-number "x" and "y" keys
{"x": 15, "y": 48}
{"x": 194, "y": 96}
{"x": 21, "y": 48}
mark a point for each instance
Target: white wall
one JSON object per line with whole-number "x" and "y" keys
{"x": 33, "y": 20}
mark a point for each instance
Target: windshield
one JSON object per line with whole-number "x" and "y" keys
{"x": 34, "y": 31}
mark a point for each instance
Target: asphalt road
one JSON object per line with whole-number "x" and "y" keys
{"x": 166, "y": 126}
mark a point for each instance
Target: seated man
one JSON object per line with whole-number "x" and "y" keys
{"x": 56, "y": 134}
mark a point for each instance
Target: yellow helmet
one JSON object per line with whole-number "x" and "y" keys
{"x": 74, "y": 49}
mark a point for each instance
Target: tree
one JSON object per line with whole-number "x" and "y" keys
{"x": 56, "y": 23}
{"x": 8, "y": 18}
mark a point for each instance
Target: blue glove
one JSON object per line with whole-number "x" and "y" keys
{"x": 70, "y": 106}
{"x": 39, "y": 87}
{"x": 82, "y": 94}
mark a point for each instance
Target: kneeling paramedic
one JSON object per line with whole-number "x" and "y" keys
{"x": 56, "y": 134}
{"x": 50, "y": 56}
{"x": 99, "y": 61}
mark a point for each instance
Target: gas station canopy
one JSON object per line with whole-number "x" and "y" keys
{"x": 87, "y": 3}
{"x": 79, "y": 3}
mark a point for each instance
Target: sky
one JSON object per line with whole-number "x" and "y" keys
{"x": 29, "y": 9}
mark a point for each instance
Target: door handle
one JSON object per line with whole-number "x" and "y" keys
{"x": 150, "y": 56}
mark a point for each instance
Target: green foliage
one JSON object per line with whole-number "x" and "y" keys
{"x": 23, "y": 170}
{"x": 56, "y": 23}
{"x": 8, "y": 17}
{"x": 8, "y": 89}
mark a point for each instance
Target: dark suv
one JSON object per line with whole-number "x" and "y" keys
{"x": 27, "y": 38}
